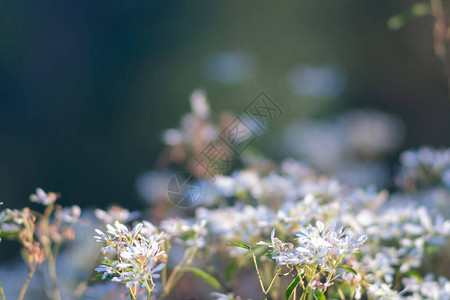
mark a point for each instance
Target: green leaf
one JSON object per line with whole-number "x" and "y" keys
{"x": 230, "y": 270}
{"x": 205, "y": 276}
{"x": 348, "y": 269}
{"x": 269, "y": 255}
{"x": 9, "y": 234}
{"x": 241, "y": 245}
{"x": 319, "y": 295}
{"x": 290, "y": 289}
{"x": 107, "y": 262}
{"x": 415, "y": 274}
{"x": 99, "y": 277}
{"x": 260, "y": 249}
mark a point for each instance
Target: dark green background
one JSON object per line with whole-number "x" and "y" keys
{"x": 87, "y": 86}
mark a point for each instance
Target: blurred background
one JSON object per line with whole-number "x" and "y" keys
{"x": 88, "y": 87}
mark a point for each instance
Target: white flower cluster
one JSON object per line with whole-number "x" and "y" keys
{"x": 400, "y": 234}
{"x": 136, "y": 259}
{"x": 242, "y": 222}
{"x": 195, "y": 126}
{"x": 324, "y": 245}
{"x": 187, "y": 232}
{"x": 424, "y": 168}
{"x": 427, "y": 288}
{"x": 350, "y": 146}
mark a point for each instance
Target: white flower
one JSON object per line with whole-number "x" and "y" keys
{"x": 383, "y": 291}
{"x": 43, "y": 198}
{"x": 68, "y": 215}
{"x": 199, "y": 104}
{"x": 220, "y": 296}
{"x": 190, "y": 232}
{"x": 115, "y": 213}
{"x": 137, "y": 257}
{"x": 316, "y": 245}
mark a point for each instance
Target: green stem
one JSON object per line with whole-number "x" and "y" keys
{"x": 1, "y": 292}
{"x": 330, "y": 274}
{"x": 179, "y": 270}
{"x": 211, "y": 270}
{"x": 132, "y": 296}
{"x": 25, "y": 285}
{"x": 303, "y": 297}
{"x": 149, "y": 289}
{"x": 273, "y": 280}
{"x": 311, "y": 276}
{"x": 257, "y": 272}
{"x": 164, "y": 270}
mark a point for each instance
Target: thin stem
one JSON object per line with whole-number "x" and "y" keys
{"x": 303, "y": 295}
{"x": 437, "y": 7}
{"x": 182, "y": 270}
{"x": 49, "y": 252}
{"x": 210, "y": 269}
{"x": 179, "y": 270}
{"x": 52, "y": 274}
{"x": 310, "y": 276}
{"x": 56, "y": 248}
{"x": 273, "y": 280}
{"x": 1, "y": 292}
{"x": 132, "y": 296}
{"x": 440, "y": 36}
{"x": 83, "y": 285}
{"x": 172, "y": 276}
{"x": 136, "y": 286}
{"x": 164, "y": 270}
{"x": 41, "y": 276}
{"x": 352, "y": 293}
{"x": 276, "y": 289}
{"x": 149, "y": 289}
{"x": 257, "y": 272}
{"x": 79, "y": 290}
{"x": 25, "y": 285}
{"x": 330, "y": 274}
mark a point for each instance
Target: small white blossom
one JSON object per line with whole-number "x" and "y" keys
{"x": 115, "y": 213}
{"x": 43, "y": 198}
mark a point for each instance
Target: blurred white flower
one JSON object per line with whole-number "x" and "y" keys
{"x": 220, "y": 296}
{"x": 424, "y": 168}
{"x": 115, "y": 213}
{"x": 187, "y": 232}
{"x": 383, "y": 291}
{"x": 327, "y": 81}
{"x": 68, "y": 214}
{"x": 152, "y": 186}
{"x": 199, "y": 104}
{"x": 43, "y": 198}
{"x": 229, "y": 67}
{"x": 372, "y": 133}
